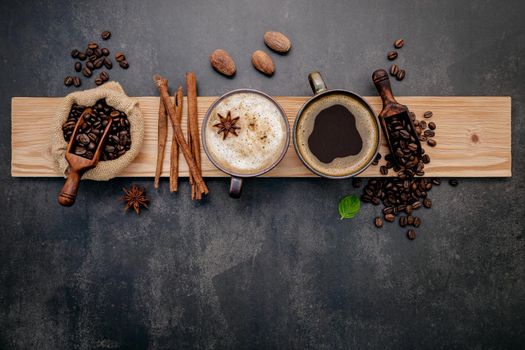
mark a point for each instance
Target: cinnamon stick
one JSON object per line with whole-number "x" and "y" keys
{"x": 162, "y": 136}
{"x": 193, "y": 127}
{"x": 162, "y": 85}
{"x": 174, "y": 154}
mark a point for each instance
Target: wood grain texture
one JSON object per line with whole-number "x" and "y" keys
{"x": 473, "y": 136}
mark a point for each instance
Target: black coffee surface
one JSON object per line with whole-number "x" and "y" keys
{"x": 335, "y": 134}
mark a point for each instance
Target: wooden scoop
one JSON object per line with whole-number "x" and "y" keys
{"x": 79, "y": 165}
{"x": 392, "y": 109}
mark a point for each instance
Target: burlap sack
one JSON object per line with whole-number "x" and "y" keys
{"x": 115, "y": 97}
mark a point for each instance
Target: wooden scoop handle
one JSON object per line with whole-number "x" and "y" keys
{"x": 68, "y": 194}
{"x": 382, "y": 83}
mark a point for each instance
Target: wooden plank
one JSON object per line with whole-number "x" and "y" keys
{"x": 473, "y": 136}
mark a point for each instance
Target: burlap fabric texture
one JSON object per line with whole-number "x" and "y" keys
{"x": 115, "y": 97}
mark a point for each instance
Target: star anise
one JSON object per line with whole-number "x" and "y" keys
{"x": 227, "y": 125}
{"x": 134, "y": 198}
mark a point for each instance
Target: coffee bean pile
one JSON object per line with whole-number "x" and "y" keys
{"x": 95, "y": 58}
{"x": 405, "y": 193}
{"x": 395, "y": 71}
{"x": 91, "y": 130}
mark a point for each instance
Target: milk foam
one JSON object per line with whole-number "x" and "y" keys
{"x": 260, "y": 140}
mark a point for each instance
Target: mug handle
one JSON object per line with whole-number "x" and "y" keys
{"x": 317, "y": 82}
{"x": 235, "y": 187}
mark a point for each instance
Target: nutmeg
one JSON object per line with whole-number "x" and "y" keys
{"x": 222, "y": 62}
{"x": 263, "y": 63}
{"x": 277, "y": 42}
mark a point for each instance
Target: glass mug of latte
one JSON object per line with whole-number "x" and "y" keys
{"x": 245, "y": 133}
{"x": 336, "y": 133}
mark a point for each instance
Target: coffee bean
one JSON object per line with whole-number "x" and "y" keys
{"x": 124, "y": 64}
{"x": 429, "y": 133}
{"x": 401, "y": 74}
{"x": 394, "y": 69}
{"x": 399, "y": 43}
{"x": 390, "y": 217}
{"x": 378, "y": 222}
{"x": 417, "y": 222}
{"x": 104, "y": 76}
{"x": 77, "y": 82}
{"x": 68, "y": 81}
{"x": 105, "y": 52}
{"x": 82, "y": 56}
{"x": 83, "y": 139}
{"x": 423, "y": 124}
{"x": 384, "y": 170}
{"x": 98, "y": 63}
{"x": 410, "y": 220}
{"x": 411, "y": 234}
{"x": 105, "y": 35}
{"x": 427, "y": 203}
{"x": 425, "y": 159}
{"x": 432, "y": 142}
{"x": 119, "y": 56}
{"x": 86, "y": 72}
{"x": 92, "y": 46}
{"x": 97, "y": 52}
{"x": 403, "y": 221}
{"x": 432, "y": 126}
{"x": 90, "y": 65}
{"x": 93, "y": 58}
{"x": 436, "y": 181}
{"x": 98, "y": 81}
{"x": 89, "y": 52}
{"x": 107, "y": 63}
{"x": 453, "y": 182}
{"x": 78, "y": 66}
{"x": 75, "y": 53}
{"x": 388, "y": 210}
{"x": 392, "y": 55}
{"x": 412, "y": 146}
{"x": 428, "y": 114}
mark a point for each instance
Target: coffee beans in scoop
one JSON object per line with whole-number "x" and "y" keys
{"x": 90, "y": 132}
{"x": 96, "y": 57}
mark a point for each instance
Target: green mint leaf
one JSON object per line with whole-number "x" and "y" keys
{"x": 349, "y": 206}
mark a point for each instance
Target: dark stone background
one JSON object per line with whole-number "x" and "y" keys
{"x": 276, "y": 269}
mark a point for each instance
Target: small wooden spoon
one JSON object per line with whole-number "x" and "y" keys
{"x": 79, "y": 165}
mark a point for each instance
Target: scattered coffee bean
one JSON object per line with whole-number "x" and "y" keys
{"x": 77, "y": 82}
{"x": 410, "y": 220}
{"x": 104, "y": 76}
{"x": 92, "y": 46}
{"x": 417, "y": 222}
{"x": 390, "y": 217}
{"x": 98, "y": 63}
{"x": 384, "y": 170}
{"x": 124, "y": 64}
{"x": 411, "y": 234}
{"x": 399, "y": 43}
{"x": 423, "y": 124}
{"x": 392, "y": 55}
{"x": 431, "y": 142}
{"x": 107, "y": 63}
{"x": 82, "y": 56}
{"x": 429, "y": 133}
{"x": 87, "y": 72}
{"x": 401, "y": 74}
{"x": 97, "y": 52}
{"x": 99, "y": 81}
{"x": 427, "y": 203}
{"x": 119, "y": 57}
{"x": 394, "y": 69}
{"x": 432, "y": 126}
{"x": 425, "y": 158}
{"x": 68, "y": 81}
{"x": 90, "y": 65}
{"x": 403, "y": 221}
{"x": 428, "y": 114}
{"x": 89, "y": 52}
{"x": 378, "y": 222}
{"x": 105, "y": 52}
{"x": 78, "y": 66}
{"x": 453, "y": 182}
{"x": 75, "y": 53}
{"x": 105, "y": 35}
{"x": 436, "y": 181}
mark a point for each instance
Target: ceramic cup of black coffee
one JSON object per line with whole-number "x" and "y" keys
{"x": 336, "y": 132}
